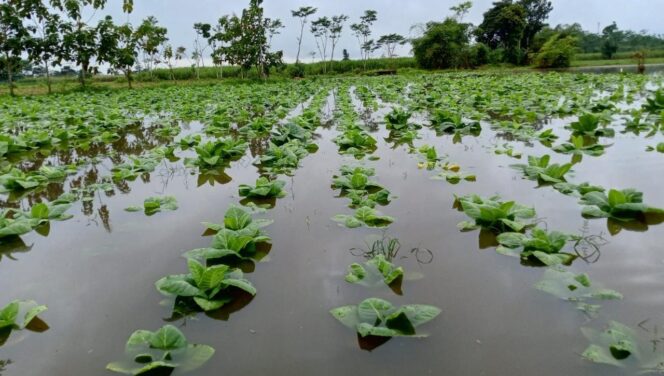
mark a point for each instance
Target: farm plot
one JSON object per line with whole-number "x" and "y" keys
{"x": 445, "y": 224}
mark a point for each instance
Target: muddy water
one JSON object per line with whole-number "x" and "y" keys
{"x": 97, "y": 275}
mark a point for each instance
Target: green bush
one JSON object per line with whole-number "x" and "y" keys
{"x": 557, "y": 52}
{"x": 480, "y": 54}
{"x": 443, "y": 45}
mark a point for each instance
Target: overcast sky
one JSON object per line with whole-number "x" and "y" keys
{"x": 394, "y": 16}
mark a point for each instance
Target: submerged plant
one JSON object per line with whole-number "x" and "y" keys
{"x": 659, "y": 148}
{"x": 541, "y": 246}
{"x": 576, "y": 288}
{"x": 397, "y": 119}
{"x": 375, "y": 270}
{"x": 538, "y": 168}
{"x": 264, "y": 188}
{"x": 378, "y": 317}
{"x": 155, "y": 204}
{"x": 622, "y": 346}
{"x": 355, "y": 184}
{"x": 448, "y": 122}
{"x": 493, "y": 214}
{"x": 655, "y": 104}
{"x": 355, "y": 142}
{"x": 284, "y": 158}
{"x": 15, "y": 223}
{"x": 578, "y": 147}
{"x": 18, "y": 315}
{"x": 589, "y": 125}
{"x": 238, "y": 236}
{"x": 165, "y": 350}
{"x": 208, "y": 287}
{"x": 216, "y": 153}
{"x": 364, "y": 216}
{"x": 623, "y": 205}
{"x": 451, "y": 173}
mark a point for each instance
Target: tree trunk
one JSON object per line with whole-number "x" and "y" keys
{"x": 48, "y": 76}
{"x": 128, "y": 75}
{"x": 9, "y": 75}
{"x": 84, "y": 71}
{"x": 299, "y": 44}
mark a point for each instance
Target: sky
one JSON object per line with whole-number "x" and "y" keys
{"x": 394, "y": 16}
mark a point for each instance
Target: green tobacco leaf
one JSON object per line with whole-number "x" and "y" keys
{"x": 378, "y": 317}
{"x": 164, "y": 350}
{"x": 573, "y": 287}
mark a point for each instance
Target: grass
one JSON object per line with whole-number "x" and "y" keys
{"x": 604, "y": 62}
{"x": 622, "y": 55}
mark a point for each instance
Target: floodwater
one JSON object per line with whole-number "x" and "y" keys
{"x": 96, "y": 272}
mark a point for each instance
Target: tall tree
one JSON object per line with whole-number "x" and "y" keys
{"x": 14, "y": 36}
{"x": 248, "y": 40}
{"x": 320, "y": 29}
{"x": 362, "y": 32}
{"x": 150, "y": 37}
{"x": 460, "y": 10}
{"x": 537, "y": 12}
{"x": 169, "y": 56}
{"x": 442, "y": 45}
{"x": 303, "y": 14}
{"x": 503, "y": 27}
{"x": 390, "y": 42}
{"x": 610, "y": 39}
{"x": 203, "y": 35}
{"x": 336, "y": 27}
{"x": 119, "y": 46}
{"x": 79, "y": 39}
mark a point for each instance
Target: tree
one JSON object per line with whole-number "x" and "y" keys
{"x": 79, "y": 41}
{"x": 118, "y": 46}
{"x": 248, "y": 40}
{"x": 320, "y": 28}
{"x": 168, "y": 55}
{"x": 557, "y": 52}
{"x": 362, "y": 32}
{"x": 302, "y": 13}
{"x": 443, "y": 45}
{"x": 14, "y": 36}
{"x": 345, "y": 55}
{"x": 44, "y": 47}
{"x": 273, "y": 27}
{"x": 150, "y": 37}
{"x": 336, "y": 27}
{"x": 537, "y": 11}
{"x": 217, "y": 40}
{"x": 503, "y": 27}
{"x": 202, "y": 33}
{"x": 390, "y": 42}
{"x": 610, "y": 38}
{"x": 461, "y": 10}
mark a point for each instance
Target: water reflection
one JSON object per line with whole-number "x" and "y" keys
{"x": 641, "y": 224}
{"x": 3, "y": 365}
{"x": 11, "y": 245}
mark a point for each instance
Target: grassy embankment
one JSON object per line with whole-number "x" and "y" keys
{"x": 211, "y": 75}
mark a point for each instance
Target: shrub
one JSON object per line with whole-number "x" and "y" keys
{"x": 442, "y": 45}
{"x": 557, "y": 52}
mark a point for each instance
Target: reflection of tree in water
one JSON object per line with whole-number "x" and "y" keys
{"x": 133, "y": 140}
{"x": 258, "y": 146}
{"x": 4, "y": 364}
{"x": 105, "y": 216}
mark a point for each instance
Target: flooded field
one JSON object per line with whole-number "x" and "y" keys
{"x": 105, "y": 193}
